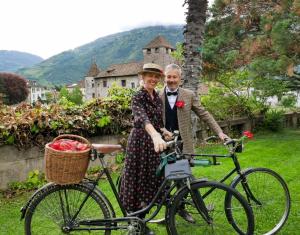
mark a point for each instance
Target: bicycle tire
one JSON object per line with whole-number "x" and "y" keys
{"x": 44, "y": 214}
{"x": 215, "y": 204}
{"x": 269, "y": 188}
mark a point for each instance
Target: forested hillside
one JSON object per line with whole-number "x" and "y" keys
{"x": 11, "y": 61}
{"x": 72, "y": 65}
{"x": 262, "y": 36}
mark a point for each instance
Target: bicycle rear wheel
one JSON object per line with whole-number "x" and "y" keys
{"x": 51, "y": 211}
{"x": 213, "y": 194}
{"x": 270, "y": 199}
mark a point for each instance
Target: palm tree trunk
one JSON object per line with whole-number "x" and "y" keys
{"x": 193, "y": 39}
{"x": 192, "y": 53}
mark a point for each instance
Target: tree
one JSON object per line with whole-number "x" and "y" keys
{"x": 13, "y": 88}
{"x": 239, "y": 94}
{"x": 260, "y": 35}
{"x": 63, "y": 92}
{"x": 193, "y": 39}
{"x": 76, "y": 96}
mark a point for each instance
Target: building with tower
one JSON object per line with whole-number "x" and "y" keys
{"x": 97, "y": 81}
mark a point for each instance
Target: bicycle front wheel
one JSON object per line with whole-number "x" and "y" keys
{"x": 213, "y": 195}
{"x": 54, "y": 209}
{"x": 268, "y": 195}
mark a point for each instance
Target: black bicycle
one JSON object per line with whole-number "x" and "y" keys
{"x": 84, "y": 208}
{"x": 265, "y": 190}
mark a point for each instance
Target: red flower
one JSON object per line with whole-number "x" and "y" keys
{"x": 248, "y": 134}
{"x": 180, "y": 104}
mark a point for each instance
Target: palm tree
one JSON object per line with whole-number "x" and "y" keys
{"x": 192, "y": 48}
{"x": 193, "y": 39}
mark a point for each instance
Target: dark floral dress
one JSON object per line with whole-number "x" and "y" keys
{"x": 139, "y": 182}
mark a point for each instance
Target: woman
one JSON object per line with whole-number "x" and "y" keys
{"x": 139, "y": 182}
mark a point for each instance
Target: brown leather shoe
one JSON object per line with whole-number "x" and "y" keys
{"x": 186, "y": 216}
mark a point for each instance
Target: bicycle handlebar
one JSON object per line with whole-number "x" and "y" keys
{"x": 227, "y": 141}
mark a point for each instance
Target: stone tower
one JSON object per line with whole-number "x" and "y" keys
{"x": 90, "y": 88}
{"x": 158, "y": 51}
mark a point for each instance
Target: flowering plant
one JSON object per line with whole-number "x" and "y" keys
{"x": 238, "y": 148}
{"x": 180, "y": 104}
{"x": 246, "y": 135}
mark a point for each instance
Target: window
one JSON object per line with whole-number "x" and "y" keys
{"x": 132, "y": 85}
{"x": 156, "y": 50}
{"x": 148, "y": 50}
{"x": 93, "y": 95}
{"x": 123, "y": 83}
{"x": 93, "y": 84}
{"x": 104, "y": 83}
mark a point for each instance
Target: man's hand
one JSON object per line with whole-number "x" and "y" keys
{"x": 167, "y": 134}
{"x": 223, "y": 136}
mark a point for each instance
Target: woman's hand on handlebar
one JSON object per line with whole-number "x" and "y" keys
{"x": 159, "y": 144}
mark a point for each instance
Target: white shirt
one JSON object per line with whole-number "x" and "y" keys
{"x": 171, "y": 98}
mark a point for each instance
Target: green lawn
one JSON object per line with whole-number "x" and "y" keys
{"x": 280, "y": 152}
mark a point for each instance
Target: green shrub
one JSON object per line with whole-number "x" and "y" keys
{"x": 120, "y": 157}
{"x": 273, "y": 120}
{"x": 288, "y": 101}
{"x": 34, "y": 180}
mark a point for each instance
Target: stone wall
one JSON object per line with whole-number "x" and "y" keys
{"x": 15, "y": 165}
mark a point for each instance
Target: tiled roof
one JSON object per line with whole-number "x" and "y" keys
{"x": 119, "y": 70}
{"x": 81, "y": 83}
{"x": 33, "y": 83}
{"x": 159, "y": 41}
{"x": 94, "y": 70}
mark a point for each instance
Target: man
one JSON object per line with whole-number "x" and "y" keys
{"x": 177, "y": 105}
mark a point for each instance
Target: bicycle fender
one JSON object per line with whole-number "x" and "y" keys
{"x": 183, "y": 187}
{"x": 24, "y": 208}
{"x": 237, "y": 177}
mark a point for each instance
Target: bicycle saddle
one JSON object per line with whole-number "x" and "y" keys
{"x": 107, "y": 148}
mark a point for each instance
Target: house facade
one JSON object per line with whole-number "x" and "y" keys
{"x": 98, "y": 82}
{"x": 36, "y": 91}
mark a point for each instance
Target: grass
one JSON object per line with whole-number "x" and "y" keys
{"x": 278, "y": 151}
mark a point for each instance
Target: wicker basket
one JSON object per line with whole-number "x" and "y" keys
{"x": 66, "y": 167}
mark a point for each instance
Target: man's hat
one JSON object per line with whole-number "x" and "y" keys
{"x": 152, "y": 68}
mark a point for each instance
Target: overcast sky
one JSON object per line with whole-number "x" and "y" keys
{"x": 48, "y": 27}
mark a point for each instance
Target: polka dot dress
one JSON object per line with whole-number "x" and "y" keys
{"x": 139, "y": 182}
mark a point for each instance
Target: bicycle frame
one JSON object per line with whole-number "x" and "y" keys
{"x": 110, "y": 224}
{"x": 237, "y": 169}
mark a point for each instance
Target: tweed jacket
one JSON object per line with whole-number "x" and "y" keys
{"x": 191, "y": 103}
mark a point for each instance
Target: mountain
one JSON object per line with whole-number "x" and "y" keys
{"x": 11, "y": 61}
{"x": 71, "y": 66}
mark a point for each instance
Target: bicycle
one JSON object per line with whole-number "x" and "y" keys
{"x": 253, "y": 183}
{"x": 273, "y": 206}
{"x": 83, "y": 207}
